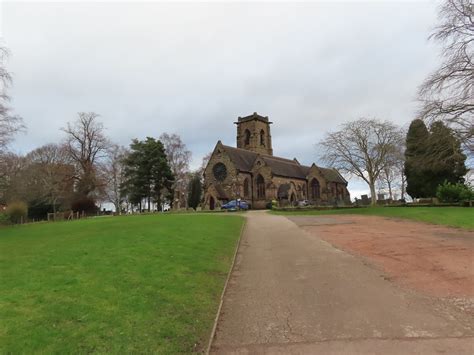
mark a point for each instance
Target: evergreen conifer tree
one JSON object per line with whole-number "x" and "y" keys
{"x": 147, "y": 172}
{"x": 416, "y": 174}
{"x": 194, "y": 191}
{"x": 431, "y": 158}
{"x": 444, "y": 157}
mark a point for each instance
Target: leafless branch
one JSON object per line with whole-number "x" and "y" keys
{"x": 448, "y": 93}
{"x": 362, "y": 148}
{"x": 86, "y": 144}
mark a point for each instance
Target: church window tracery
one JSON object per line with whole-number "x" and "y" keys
{"x": 260, "y": 187}
{"x": 220, "y": 171}
{"x": 315, "y": 189}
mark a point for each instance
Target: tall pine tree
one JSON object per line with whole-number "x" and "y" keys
{"x": 147, "y": 172}
{"x": 416, "y": 145}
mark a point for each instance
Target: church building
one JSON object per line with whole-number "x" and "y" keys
{"x": 251, "y": 172}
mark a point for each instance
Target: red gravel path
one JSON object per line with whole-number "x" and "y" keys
{"x": 433, "y": 259}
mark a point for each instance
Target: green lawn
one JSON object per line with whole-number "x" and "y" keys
{"x": 143, "y": 284}
{"x": 451, "y": 216}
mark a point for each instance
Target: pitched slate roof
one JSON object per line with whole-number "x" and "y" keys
{"x": 285, "y": 167}
{"x": 333, "y": 175}
{"x": 245, "y": 159}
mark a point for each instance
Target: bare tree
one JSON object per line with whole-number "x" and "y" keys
{"x": 448, "y": 93}
{"x": 178, "y": 158}
{"x": 86, "y": 145}
{"x": 362, "y": 148}
{"x": 12, "y": 177}
{"x": 205, "y": 161}
{"x": 113, "y": 171}
{"x": 53, "y": 171}
{"x": 9, "y": 124}
{"x": 392, "y": 175}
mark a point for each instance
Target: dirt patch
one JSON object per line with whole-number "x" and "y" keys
{"x": 436, "y": 260}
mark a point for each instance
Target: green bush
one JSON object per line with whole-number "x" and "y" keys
{"x": 274, "y": 203}
{"x": 17, "y": 211}
{"x": 4, "y": 219}
{"x": 467, "y": 194}
{"x": 448, "y": 192}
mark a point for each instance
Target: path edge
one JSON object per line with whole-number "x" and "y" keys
{"x": 231, "y": 269}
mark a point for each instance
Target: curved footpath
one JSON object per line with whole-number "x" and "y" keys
{"x": 292, "y": 292}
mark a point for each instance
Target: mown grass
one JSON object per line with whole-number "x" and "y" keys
{"x": 462, "y": 217}
{"x": 141, "y": 284}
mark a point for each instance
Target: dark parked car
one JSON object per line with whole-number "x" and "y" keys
{"x": 235, "y": 205}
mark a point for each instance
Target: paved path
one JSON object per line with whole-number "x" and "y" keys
{"x": 291, "y": 292}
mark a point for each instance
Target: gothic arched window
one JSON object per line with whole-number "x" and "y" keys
{"x": 246, "y": 188}
{"x": 260, "y": 187}
{"x": 315, "y": 189}
{"x": 262, "y": 138}
{"x": 247, "y": 137}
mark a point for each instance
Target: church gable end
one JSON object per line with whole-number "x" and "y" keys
{"x": 220, "y": 169}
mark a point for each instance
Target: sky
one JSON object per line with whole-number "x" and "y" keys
{"x": 193, "y": 68}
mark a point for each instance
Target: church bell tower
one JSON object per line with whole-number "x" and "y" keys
{"x": 253, "y": 133}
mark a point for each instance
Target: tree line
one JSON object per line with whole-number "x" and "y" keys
{"x": 87, "y": 169}
{"x": 430, "y": 158}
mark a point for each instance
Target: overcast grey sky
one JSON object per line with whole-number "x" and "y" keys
{"x": 192, "y": 68}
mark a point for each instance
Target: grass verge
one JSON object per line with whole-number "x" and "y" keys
{"x": 145, "y": 284}
{"x": 462, "y": 217}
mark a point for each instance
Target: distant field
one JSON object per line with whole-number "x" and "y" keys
{"x": 141, "y": 284}
{"x": 462, "y": 217}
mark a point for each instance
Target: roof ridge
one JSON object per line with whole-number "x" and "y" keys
{"x": 245, "y": 150}
{"x": 262, "y": 154}
{"x": 279, "y": 158}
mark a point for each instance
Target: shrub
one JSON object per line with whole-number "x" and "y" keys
{"x": 4, "y": 219}
{"x": 448, "y": 192}
{"x": 84, "y": 204}
{"x": 17, "y": 211}
{"x": 467, "y": 194}
{"x": 39, "y": 210}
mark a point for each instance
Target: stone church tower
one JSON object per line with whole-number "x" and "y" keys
{"x": 253, "y": 133}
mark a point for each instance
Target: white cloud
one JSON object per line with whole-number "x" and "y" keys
{"x": 193, "y": 68}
